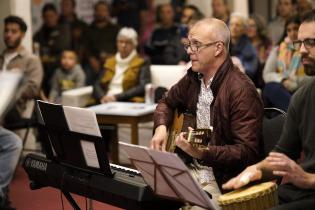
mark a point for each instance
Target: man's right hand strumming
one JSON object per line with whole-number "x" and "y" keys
{"x": 159, "y": 138}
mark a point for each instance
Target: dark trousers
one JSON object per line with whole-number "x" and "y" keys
{"x": 275, "y": 95}
{"x": 292, "y": 197}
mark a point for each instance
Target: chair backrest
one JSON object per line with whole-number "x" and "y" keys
{"x": 272, "y": 127}
{"x": 166, "y": 75}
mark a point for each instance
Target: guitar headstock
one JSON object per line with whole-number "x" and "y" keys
{"x": 199, "y": 136}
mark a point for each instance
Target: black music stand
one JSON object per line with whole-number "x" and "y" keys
{"x": 73, "y": 149}
{"x": 167, "y": 175}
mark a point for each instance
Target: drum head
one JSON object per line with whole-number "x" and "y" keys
{"x": 247, "y": 193}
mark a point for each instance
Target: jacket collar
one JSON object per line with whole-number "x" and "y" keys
{"x": 220, "y": 75}
{"x": 21, "y": 51}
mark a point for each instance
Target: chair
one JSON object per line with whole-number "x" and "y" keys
{"x": 166, "y": 75}
{"x": 14, "y": 122}
{"x": 273, "y": 122}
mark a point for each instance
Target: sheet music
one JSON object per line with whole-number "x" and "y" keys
{"x": 167, "y": 175}
{"x": 82, "y": 120}
{"x": 9, "y": 82}
{"x": 89, "y": 153}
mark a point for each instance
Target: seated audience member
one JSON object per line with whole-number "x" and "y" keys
{"x": 10, "y": 149}
{"x": 285, "y": 9}
{"x": 217, "y": 94}
{"x": 164, "y": 46}
{"x": 102, "y": 34}
{"x": 241, "y": 46}
{"x": 125, "y": 74}
{"x": 304, "y": 6}
{"x": 298, "y": 191}
{"x": 257, "y": 33}
{"x": 53, "y": 38}
{"x": 131, "y": 13}
{"x": 190, "y": 15}
{"x": 220, "y": 10}
{"x": 77, "y": 28}
{"x": 283, "y": 72}
{"x": 16, "y": 58}
{"x": 69, "y": 76}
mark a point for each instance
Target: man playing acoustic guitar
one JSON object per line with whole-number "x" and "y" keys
{"x": 217, "y": 94}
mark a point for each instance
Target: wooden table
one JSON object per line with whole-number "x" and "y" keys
{"x": 124, "y": 113}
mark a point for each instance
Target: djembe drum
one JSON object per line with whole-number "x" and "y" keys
{"x": 257, "y": 197}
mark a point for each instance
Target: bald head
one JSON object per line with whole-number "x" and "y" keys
{"x": 216, "y": 29}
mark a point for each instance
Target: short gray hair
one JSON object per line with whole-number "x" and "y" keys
{"x": 240, "y": 16}
{"x": 223, "y": 32}
{"x": 128, "y": 33}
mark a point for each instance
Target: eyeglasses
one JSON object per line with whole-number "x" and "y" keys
{"x": 308, "y": 44}
{"x": 195, "y": 47}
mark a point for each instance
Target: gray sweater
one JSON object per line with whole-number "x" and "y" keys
{"x": 66, "y": 80}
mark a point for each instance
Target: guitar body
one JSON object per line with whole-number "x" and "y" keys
{"x": 181, "y": 122}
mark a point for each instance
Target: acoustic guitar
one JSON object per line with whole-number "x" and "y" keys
{"x": 197, "y": 137}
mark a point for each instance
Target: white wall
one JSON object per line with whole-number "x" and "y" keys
{"x": 4, "y": 11}
{"x": 241, "y": 6}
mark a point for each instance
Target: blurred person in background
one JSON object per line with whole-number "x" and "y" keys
{"x": 101, "y": 40}
{"x": 16, "y": 58}
{"x": 304, "y": 6}
{"x": 77, "y": 28}
{"x": 125, "y": 74}
{"x": 52, "y": 38}
{"x": 241, "y": 46}
{"x": 257, "y": 33}
{"x": 285, "y": 8}
{"x": 164, "y": 46}
{"x": 283, "y": 73}
{"x": 220, "y": 10}
{"x": 190, "y": 15}
{"x": 131, "y": 13}
{"x": 69, "y": 76}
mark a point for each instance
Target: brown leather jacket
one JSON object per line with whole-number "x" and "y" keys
{"x": 236, "y": 117}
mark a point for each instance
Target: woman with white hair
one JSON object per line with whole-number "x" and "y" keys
{"x": 241, "y": 46}
{"x": 125, "y": 74}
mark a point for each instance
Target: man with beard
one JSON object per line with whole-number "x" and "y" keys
{"x": 298, "y": 191}
{"x": 101, "y": 41}
{"x": 16, "y": 58}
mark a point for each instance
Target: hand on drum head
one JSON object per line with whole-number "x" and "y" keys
{"x": 250, "y": 174}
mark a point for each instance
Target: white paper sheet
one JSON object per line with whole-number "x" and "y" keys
{"x": 89, "y": 153}
{"x": 82, "y": 120}
{"x": 9, "y": 82}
